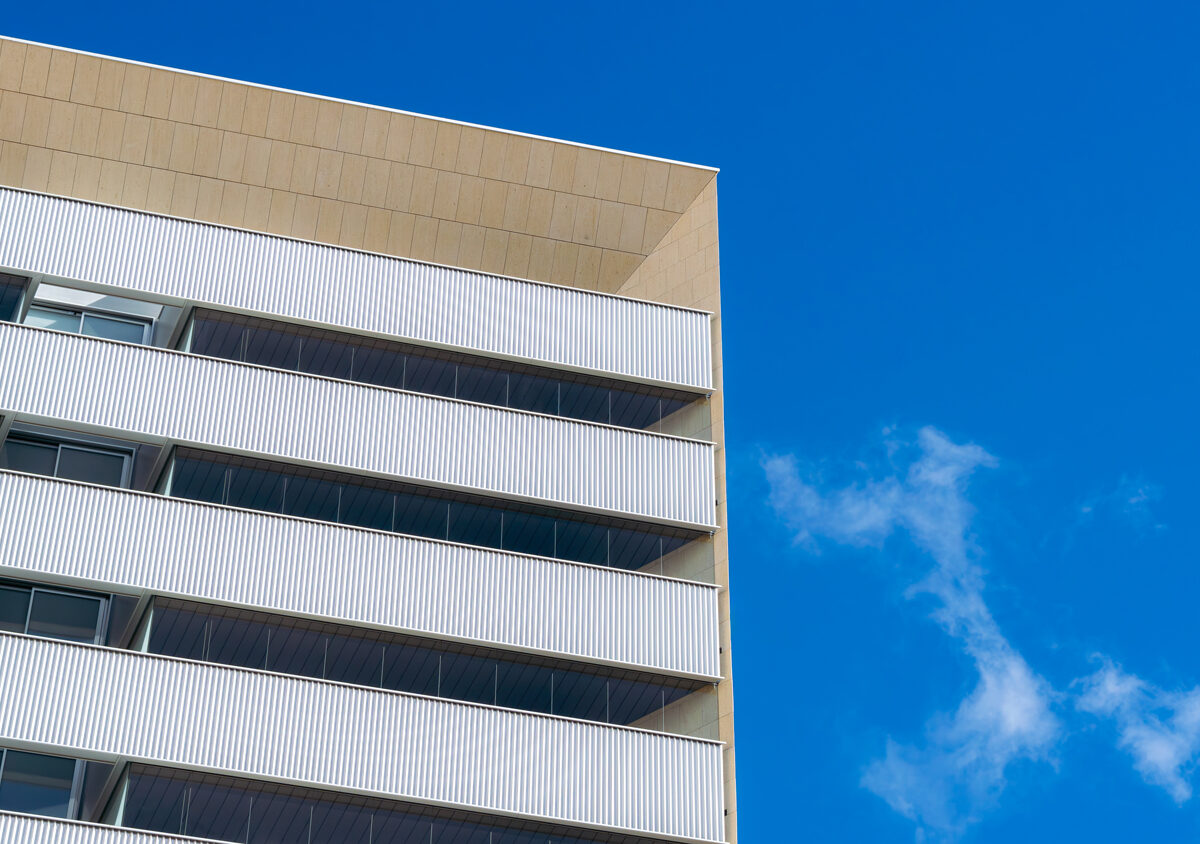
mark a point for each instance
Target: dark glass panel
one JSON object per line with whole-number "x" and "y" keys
{"x": 237, "y": 640}
{"x": 400, "y": 827}
{"x": 255, "y": 488}
{"x": 11, "y": 288}
{"x": 323, "y": 356}
{"x": 198, "y": 479}
{"x": 633, "y": 549}
{"x": 14, "y": 608}
{"x": 217, "y": 811}
{"x": 421, "y": 515}
{"x": 175, "y": 631}
{"x": 461, "y": 832}
{"x": 97, "y": 467}
{"x": 365, "y": 506}
{"x": 36, "y": 784}
{"x": 35, "y": 458}
{"x": 407, "y": 668}
{"x": 533, "y": 392}
{"x": 580, "y": 695}
{"x": 527, "y": 533}
{"x": 581, "y": 541}
{"x": 277, "y": 347}
{"x": 279, "y": 817}
{"x": 584, "y": 401}
{"x": 430, "y": 375}
{"x": 524, "y": 687}
{"x": 634, "y": 410}
{"x": 379, "y": 365}
{"x": 354, "y": 659}
{"x": 340, "y": 822}
{"x": 468, "y": 677}
{"x": 72, "y": 618}
{"x": 217, "y": 337}
{"x": 312, "y": 497}
{"x": 482, "y": 384}
{"x": 475, "y": 525}
{"x": 297, "y": 650}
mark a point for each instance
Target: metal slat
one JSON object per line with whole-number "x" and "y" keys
{"x": 107, "y": 703}
{"x": 138, "y": 542}
{"x": 189, "y": 262}
{"x": 164, "y": 395}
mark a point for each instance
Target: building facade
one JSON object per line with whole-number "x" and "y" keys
{"x": 361, "y": 474}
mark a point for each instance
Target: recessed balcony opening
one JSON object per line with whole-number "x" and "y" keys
{"x": 419, "y": 369}
{"x": 432, "y": 513}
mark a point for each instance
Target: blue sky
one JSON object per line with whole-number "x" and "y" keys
{"x": 959, "y": 253}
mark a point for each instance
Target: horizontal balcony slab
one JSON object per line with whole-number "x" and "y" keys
{"x": 88, "y": 536}
{"x": 166, "y": 396}
{"x": 26, "y": 829}
{"x": 103, "y": 703}
{"x": 181, "y": 262}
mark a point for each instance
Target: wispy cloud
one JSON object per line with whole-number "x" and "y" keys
{"x": 1132, "y": 500}
{"x": 960, "y": 769}
{"x": 1159, "y": 729}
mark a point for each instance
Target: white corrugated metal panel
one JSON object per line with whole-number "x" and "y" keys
{"x": 26, "y": 829}
{"x": 169, "y": 395}
{"x": 154, "y": 709}
{"x": 129, "y": 541}
{"x": 182, "y": 261}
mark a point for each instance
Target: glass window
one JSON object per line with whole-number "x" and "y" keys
{"x": 272, "y": 347}
{"x": 14, "y": 609}
{"x": 129, "y": 331}
{"x": 36, "y": 784}
{"x": 40, "y": 317}
{"x": 57, "y": 615}
{"x": 319, "y": 356}
{"x": 23, "y": 456}
{"x": 218, "y": 338}
{"x": 430, "y": 375}
{"x": 12, "y": 287}
{"x": 62, "y": 460}
{"x": 85, "y": 464}
{"x": 441, "y": 373}
{"x": 312, "y": 497}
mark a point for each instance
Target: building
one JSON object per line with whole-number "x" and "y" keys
{"x": 362, "y": 474}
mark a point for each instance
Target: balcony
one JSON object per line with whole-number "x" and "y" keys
{"x": 162, "y": 396}
{"x": 137, "y": 543}
{"x": 182, "y": 263}
{"x": 256, "y": 725}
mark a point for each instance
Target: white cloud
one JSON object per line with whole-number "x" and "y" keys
{"x": 960, "y": 769}
{"x": 1132, "y": 500}
{"x": 1159, "y": 729}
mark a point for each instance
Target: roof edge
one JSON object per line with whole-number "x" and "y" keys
{"x": 278, "y": 89}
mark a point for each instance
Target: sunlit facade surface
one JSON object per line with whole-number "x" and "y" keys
{"x": 380, "y": 501}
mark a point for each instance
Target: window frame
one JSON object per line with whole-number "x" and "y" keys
{"x": 101, "y": 615}
{"x": 147, "y": 325}
{"x": 126, "y": 454}
{"x": 73, "y": 796}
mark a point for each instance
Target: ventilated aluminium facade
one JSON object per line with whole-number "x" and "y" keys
{"x": 361, "y": 474}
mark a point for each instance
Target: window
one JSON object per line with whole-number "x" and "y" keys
{"x": 72, "y": 461}
{"x": 12, "y": 288}
{"x": 438, "y": 373}
{"x": 89, "y": 323}
{"x": 36, "y": 784}
{"x": 52, "y": 613}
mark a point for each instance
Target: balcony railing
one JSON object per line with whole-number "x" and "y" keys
{"x": 252, "y": 724}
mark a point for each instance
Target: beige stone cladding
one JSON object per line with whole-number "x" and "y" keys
{"x": 370, "y": 178}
